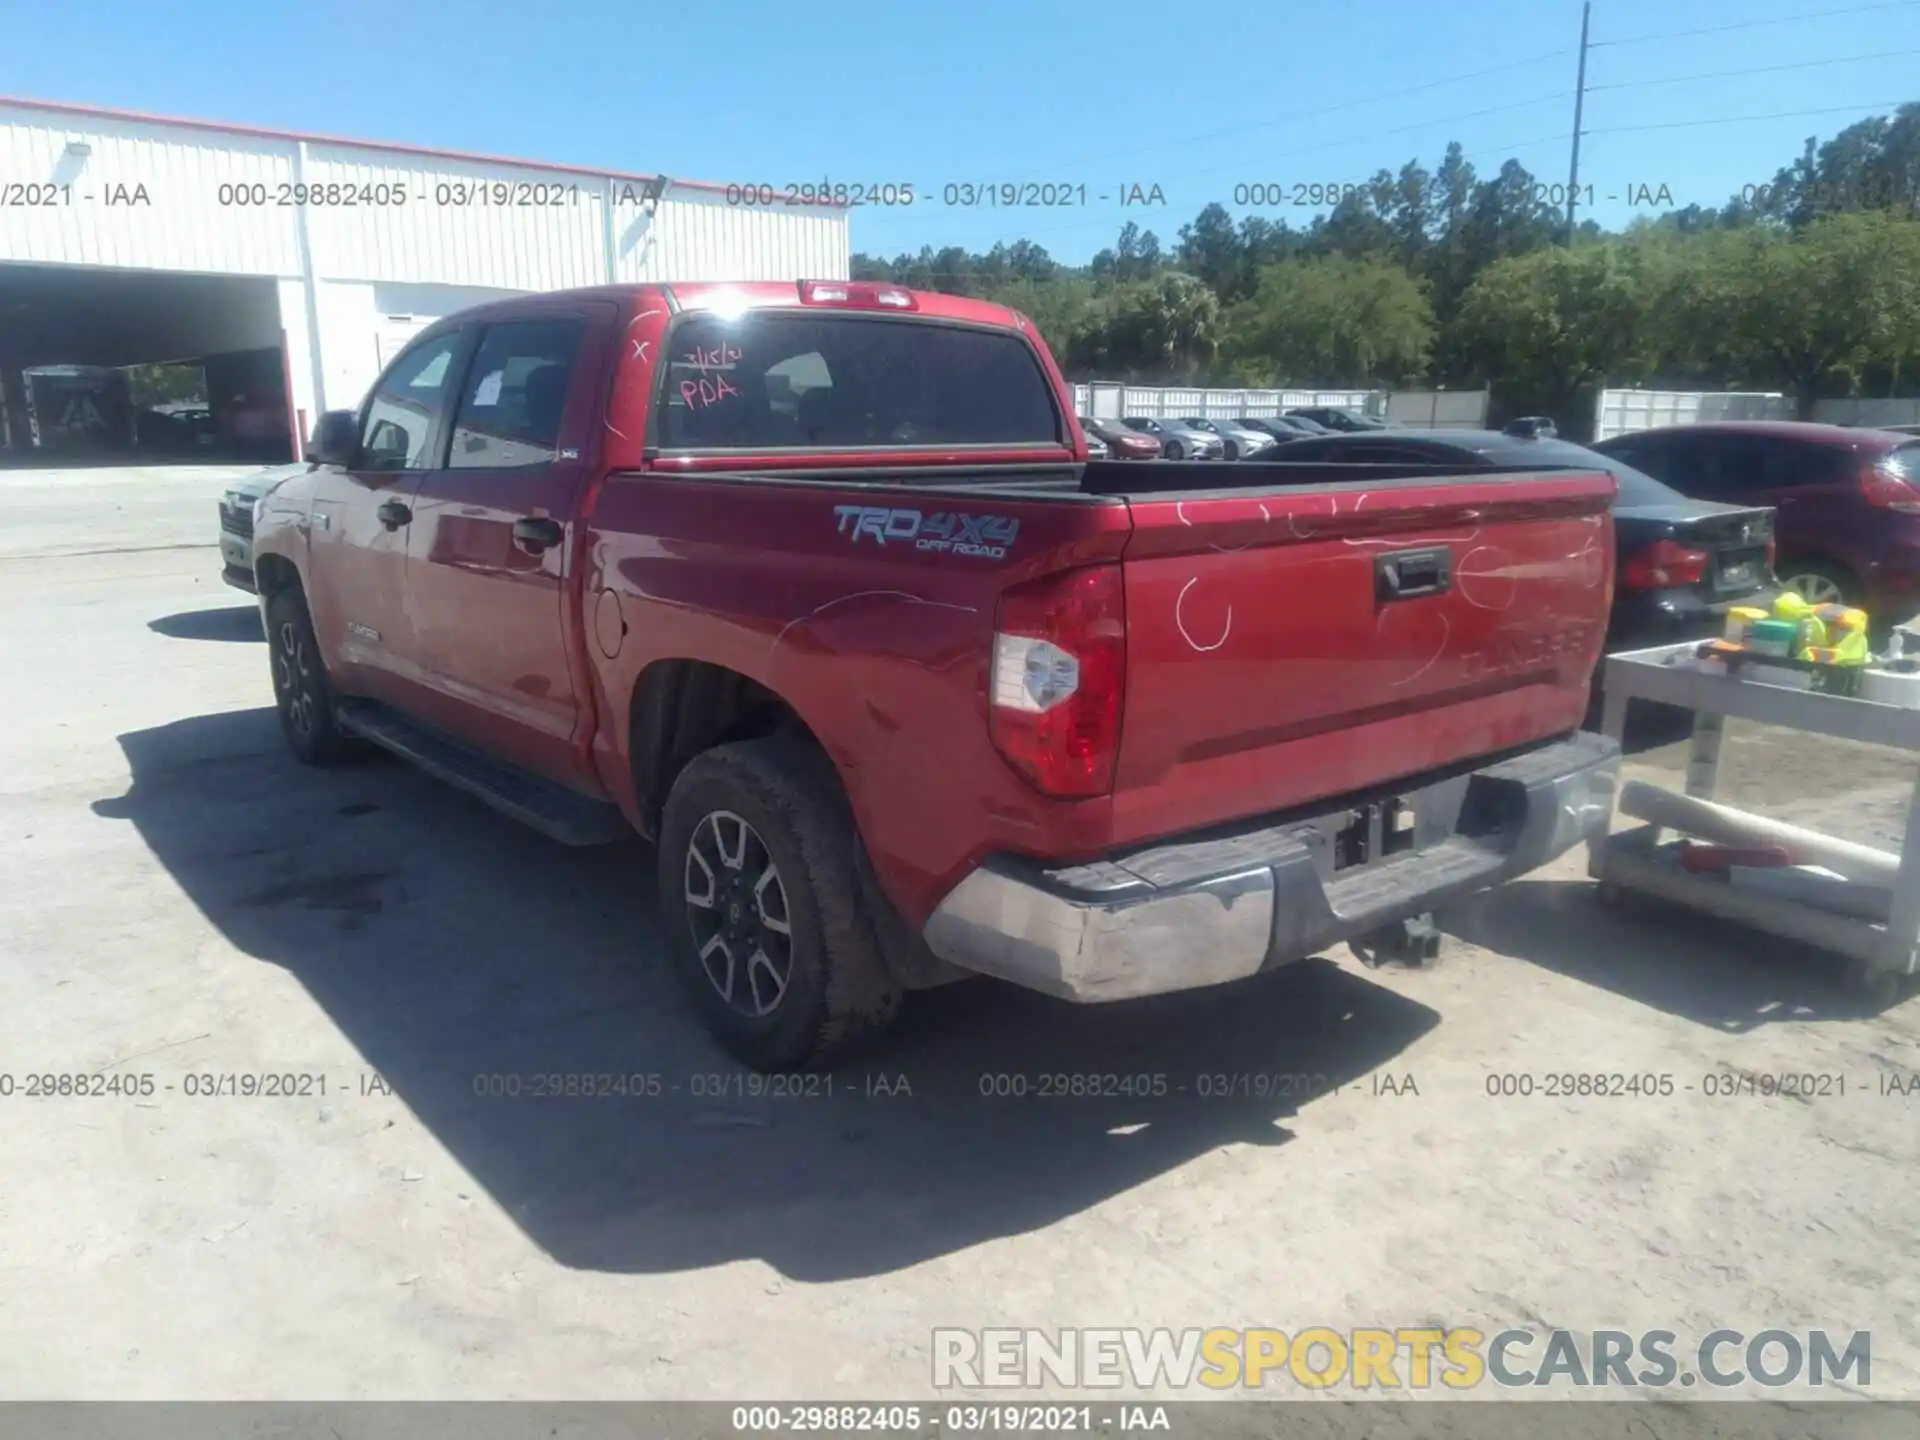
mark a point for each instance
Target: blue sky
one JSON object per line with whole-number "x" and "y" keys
{"x": 1106, "y": 95}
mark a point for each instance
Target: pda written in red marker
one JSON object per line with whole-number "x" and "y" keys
{"x": 698, "y": 394}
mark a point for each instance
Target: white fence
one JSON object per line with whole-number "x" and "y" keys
{"x": 1104, "y": 400}
{"x": 1435, "y": 409}
{"x": 1618, "y": 412}
{"x": 1621, "y": 411}
{"x": 1867, "y": 412}
{"x": 1439, "y": 409}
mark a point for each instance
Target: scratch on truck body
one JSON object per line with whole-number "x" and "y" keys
{"x": 1181, "y": 624}
{"x": 819, "y": 610}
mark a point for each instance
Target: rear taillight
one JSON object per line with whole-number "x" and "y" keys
{"x": 1773, "y": 553}
{"x": 1663, "y": 565}
{"x": 1886, "y": 487}
{"x": 857, "y": 295}
{"x": 1058, "y": 679}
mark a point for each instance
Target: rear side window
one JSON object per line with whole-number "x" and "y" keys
{"x": 785, "y": 381}
{"x": 515, "y": 395}
{"x": 1702, "y": 466}
{"x": 1787, "y": 464}
{"x": 1903, "y": 462}
{"x": 1740, "y": 468}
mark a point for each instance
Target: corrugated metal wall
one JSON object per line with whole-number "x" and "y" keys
{"x": 66, "y": 205}
{"x": 455, "y": 223}
{"x": 698, "y": 236}
{"x": 217, "y": 201}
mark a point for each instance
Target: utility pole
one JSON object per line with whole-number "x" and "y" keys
{"x": 1579, "y": 103}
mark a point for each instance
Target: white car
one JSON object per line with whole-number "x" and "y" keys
{"x": 1240, "y": 442}
{"x": 236, "y": 522}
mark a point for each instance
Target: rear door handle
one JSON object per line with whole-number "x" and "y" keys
{"x": 1409, "y": 574}
{"x": 536, "y": 533}
{"x": 393, "y": 514}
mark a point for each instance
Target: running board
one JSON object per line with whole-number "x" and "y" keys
{"x": 554, "y": 810}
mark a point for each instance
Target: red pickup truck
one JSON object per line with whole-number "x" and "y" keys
{"x": 814, "y": 585}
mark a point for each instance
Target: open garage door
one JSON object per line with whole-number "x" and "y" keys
{"x": 103, "y": 366}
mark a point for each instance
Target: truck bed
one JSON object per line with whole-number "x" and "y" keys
{"x": 1128, "y": 480}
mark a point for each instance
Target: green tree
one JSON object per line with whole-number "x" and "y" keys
{"x": 1333, "y": 321}
{"x": 1545, "y": 325}
{"x": 1166, "y": 328}
{"x": 1873, "y": 164}
{"x": 1211, "y": 249}
{"x": 1810, "y": 312}
{"x": 160, "y": 384}
{"x": 1061, "y": 309}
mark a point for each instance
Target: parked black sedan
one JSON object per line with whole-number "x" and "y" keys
{"x": 1336, "y": 417}
{"x": 1680, "y": 563}
{"x": 1285, "y": 428}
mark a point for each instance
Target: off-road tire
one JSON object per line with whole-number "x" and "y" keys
{"x": 304, "y": 696}
{"x": 838, "y": 991}
{"x": 1873, "y": 987}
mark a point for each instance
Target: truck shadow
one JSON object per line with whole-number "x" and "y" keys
{"x": 222, "y": 622}
{"x": 1673, "y": 959}
{"x": 463, "y": 957}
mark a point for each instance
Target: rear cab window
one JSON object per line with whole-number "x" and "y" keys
{"x": 782, "y": 380}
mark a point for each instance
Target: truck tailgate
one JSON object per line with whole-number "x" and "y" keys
{"x": 1288, "y": 643}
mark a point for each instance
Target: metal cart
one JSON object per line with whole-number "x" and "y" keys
{"x": 1881, "y": 954}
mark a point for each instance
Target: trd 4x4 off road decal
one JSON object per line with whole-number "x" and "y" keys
{"x": 949, "y": 532}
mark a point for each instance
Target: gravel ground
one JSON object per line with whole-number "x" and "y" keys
{"x": 179, "y": 898}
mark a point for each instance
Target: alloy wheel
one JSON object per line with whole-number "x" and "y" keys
{"x": 295, "y": 677}
{"x": 1815, "y": 589}
{"x": 737, "y": 906}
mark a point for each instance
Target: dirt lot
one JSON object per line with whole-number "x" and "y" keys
{"x": 179, "y": 899}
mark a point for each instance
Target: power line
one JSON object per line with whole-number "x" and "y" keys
{"x": 1754, "y": 24}
{"x": 1428, "y": 124}
{"x": 1504, "y": 151}
{"x": 1752, "y": 70}
{"x": 1312, "y": 114}
{"x": 1749, "y": 119}
{"x": 1481, "y": 152}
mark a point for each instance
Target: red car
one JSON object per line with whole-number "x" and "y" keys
{"x": 1846, "y": 501}
{"x": 812, "y": 584}
{"x": 1122, "y": 442}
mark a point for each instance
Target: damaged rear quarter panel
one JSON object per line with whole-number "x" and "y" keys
{"x": 870, "y": 611}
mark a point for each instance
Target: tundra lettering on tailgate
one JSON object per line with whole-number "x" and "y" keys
{"x": 1507, "y": 652}
{"x": 948, "y": 532}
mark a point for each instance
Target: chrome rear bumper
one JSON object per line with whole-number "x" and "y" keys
{"x": 1223, "y": 906}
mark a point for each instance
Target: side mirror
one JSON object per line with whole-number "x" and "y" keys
{"x": 335, "y": 439}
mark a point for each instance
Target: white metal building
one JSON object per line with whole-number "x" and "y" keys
{"x": 128, "y": 238}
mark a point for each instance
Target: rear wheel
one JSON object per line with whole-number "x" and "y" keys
{"x": 309, "y": 711}
{"x": 760, "y": 882}
{"x": 1174, "y": 452}
{"x": 1819, "y": 582}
